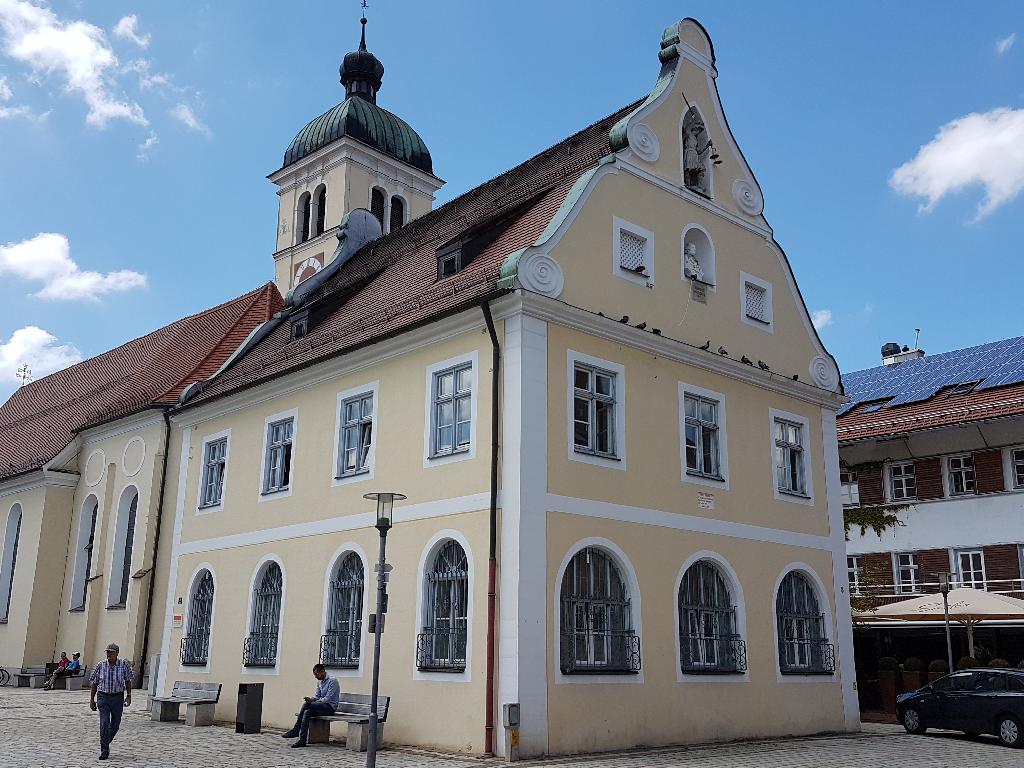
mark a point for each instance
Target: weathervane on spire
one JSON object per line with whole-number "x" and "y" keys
{"x": 25, "y": 374}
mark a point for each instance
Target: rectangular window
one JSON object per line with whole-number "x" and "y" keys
{"x": 906, "y": 573}
{"x": 701, "y": 431}
{"x": 449, "y": 262}
{"x": 593, "y": 411}
{"x": 902, "y": 482}
{"x": 961, "y": 475}
{"x": 853, "y": 573}
{"x": 789, "y": 457}
{"x": 849, "y": 488}
{"x": 452, "y": 415}
{"x": 1018, "y": 468}
{"x": 277, "y": 467}
{"x": 214, "y": 464}
{"x": 356, "y": 435}
{"x": 756, "y": 306}
{"x": 970, "y": 565}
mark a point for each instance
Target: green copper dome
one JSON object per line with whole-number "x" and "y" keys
{"x": 359, "y": 117}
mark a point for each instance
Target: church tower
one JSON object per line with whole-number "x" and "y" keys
{"x": 354, "y": 155}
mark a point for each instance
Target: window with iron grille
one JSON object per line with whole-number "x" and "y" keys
{"x": 277, "y": 468}
{"x": 452, "y": 413}
{"x": 12, "y": 536}
{"x": 756, "y": 306}
{"x": 1018, "y": 468}
{"x": 970, "y": 565}
{"x": 906, "y": 572}
{"x": 709, "y": 639}
{"x": 961, "y": 475}
{"x": 849, "y": 488}
{"x": 853, "y": 573}
{"x": 214, "y": 464}
{"x": 701, "y": 435}
{"x": 340, "y": 644}
{"x": 633, "y": 252}
{"x": 803, "y": 645}
{"x": 377, "y": 204}
{"x": 356, "y": 435}
{"x": 593, "y": 411}
{"x": 195, "y": 645}
{"x": 902, "y": 481}
{"x": 260, "y": 647}
{"x": 596, "y": 634}
{"x": 441, "y": 646}
{"x": 397, "y": 213}
{"x": 789, "y": 457}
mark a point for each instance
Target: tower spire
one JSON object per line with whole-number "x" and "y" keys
{"x": 361, "y": 72}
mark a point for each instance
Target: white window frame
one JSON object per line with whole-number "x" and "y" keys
{"x": 281, "y": 493}
{"x": 618, "y": 461}
{"x": 257, "y": 573}
{"x": 850, "y": 490}
{"x": 902, "y": 480}
{"x": 212, "y": 438}
{"x": 620, "y": 225}
{"x": 807, "y": 498}
{"x": 427, "y": 556}
{"x": 949, "y": 475}
{"x": 11, "y": 531}
{"x": 1016, "y": 479}
{"x": 187, "y": 612}
{"x": 854, "y": 570}
{"x": 115, "y": 565}
{"x": 430, "y": 460}
{"x": 373, "y": 389}
{"x": 768, "y": 324}
{"x": 723, "y": 438}
{"x": 970, "y": 551}
{"x": 350, "y": 547}
{"x": 825, "y": 606}
{"x": 79, "y": 582}
{"x": 905, "y": 587}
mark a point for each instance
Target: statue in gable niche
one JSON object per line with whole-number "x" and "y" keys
{"x": 696, "y": 153}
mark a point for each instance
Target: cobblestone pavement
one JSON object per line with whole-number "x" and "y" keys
{"x": 56, "y": 730}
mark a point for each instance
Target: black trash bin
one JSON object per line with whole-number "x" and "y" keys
{"x": 249, "y": 711}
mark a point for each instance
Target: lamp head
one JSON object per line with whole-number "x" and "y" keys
{"x": 385, "y": 507}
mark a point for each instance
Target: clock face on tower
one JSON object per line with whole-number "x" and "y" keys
{"x": 307, "y": 268}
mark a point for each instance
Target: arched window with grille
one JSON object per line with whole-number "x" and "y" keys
{"x": 803, "y": 643}
{"x": 397, "y": 218}
{"x": 441, "y": 646}
{"x": 302, "y": 214}
{"x": 320, "y": 211}
{"x": 195, "y": 645}
{"x": 377, "y": 204}
{"x": 260, "y": 648}
{"x": 124, "y": 544}
{"x": 709, "y": 638}
{"x": 9, "y": 560}
{"x": 340, "y": 644}
{"x": 84, "y": 555}
{"x": 596, "y": 633}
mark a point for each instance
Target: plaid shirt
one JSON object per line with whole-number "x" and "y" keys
{"x": 111, "y": 678}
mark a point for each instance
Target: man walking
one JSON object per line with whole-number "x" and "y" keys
{"x": 112, "y": 681}
{"x": 322, "y": 702}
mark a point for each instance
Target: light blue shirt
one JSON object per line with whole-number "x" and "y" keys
{"x": 327, "y": 692}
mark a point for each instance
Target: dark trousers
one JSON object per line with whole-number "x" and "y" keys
{"x": 110, "y": 708}
{"x": 309, "y": 709}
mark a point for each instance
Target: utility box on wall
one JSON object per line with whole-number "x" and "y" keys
{"x": 510, "y": 719}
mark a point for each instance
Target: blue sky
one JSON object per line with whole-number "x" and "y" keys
{"x": 888, "y": 139}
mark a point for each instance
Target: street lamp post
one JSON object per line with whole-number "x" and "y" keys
{"x": 944, "y": 589}
{"x": 385, "y": 511}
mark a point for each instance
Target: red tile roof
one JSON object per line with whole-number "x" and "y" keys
{"x": 391, "y": 284}
{"x": 40, "y": 419}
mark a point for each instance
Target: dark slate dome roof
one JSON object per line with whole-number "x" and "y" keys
{"x": 365, "y": 122}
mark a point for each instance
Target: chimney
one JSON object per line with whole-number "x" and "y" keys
{"x": 893, "y": 355}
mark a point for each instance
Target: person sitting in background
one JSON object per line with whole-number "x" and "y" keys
{"x": 322, "y": 702}
{"x": 62, "y": 665}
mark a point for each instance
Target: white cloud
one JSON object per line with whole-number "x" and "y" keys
{"x": 979, "y": 148}
{"x": 75, "y": 51}
{"x": 1006, "y": 43}
{"x": 148, "y": 79}
{"x": 128, "y": 28}
{"x": 821, "y": 318}
{"x": 146, "y": 146}
{"x": 46, "y": 258}
{"x": 184, "y": 114}
{"x": 5, "y": 90}
{"x": 36, "y": 348}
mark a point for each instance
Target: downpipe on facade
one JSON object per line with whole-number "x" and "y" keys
{"x": 492, "y": 551}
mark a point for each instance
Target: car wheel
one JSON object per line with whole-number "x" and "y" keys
{"x": 1009, "y": 731}
{"x": 912, "y": 721}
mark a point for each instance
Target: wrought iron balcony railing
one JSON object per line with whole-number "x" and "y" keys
{"x": 599, "y": 652}
{"x": 195, "y": 650}
{"x": 807, "y": 657}
{"x": 260, "y": 649}
{"x": 441, "y": 650}
{"x": 340, "y": 649}
{"x": 703, "y": 655}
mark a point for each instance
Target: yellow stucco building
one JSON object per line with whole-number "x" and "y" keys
{"x": 596, "y": 382}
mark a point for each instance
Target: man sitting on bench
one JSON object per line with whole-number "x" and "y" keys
{"x": 62, "y": 664}
{"x": 322, "y": 702}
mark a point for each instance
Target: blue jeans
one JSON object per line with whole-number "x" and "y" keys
{"x": 110, "y": 708}
{"x": 309, "y": 710}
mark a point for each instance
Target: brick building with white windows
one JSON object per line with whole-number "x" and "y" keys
{"x": 937, "y": 440}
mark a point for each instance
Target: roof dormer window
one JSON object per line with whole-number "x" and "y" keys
{"x": 449, "y": 261}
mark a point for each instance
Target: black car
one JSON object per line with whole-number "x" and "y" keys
{"x": 973, "y": 701}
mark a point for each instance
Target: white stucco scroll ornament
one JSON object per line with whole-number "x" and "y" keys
{"x": 748, "y": 197}
{"x": 540, "y": 273}
{"x": 644, "y": 142}
{"x": 824, "y": 373}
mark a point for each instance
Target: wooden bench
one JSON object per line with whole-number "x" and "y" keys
{"x": 72, "y": 682}
{"x": 354, "y": 709}
{"x": 200, "y": 700}
{"x": 34, "y": 677}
